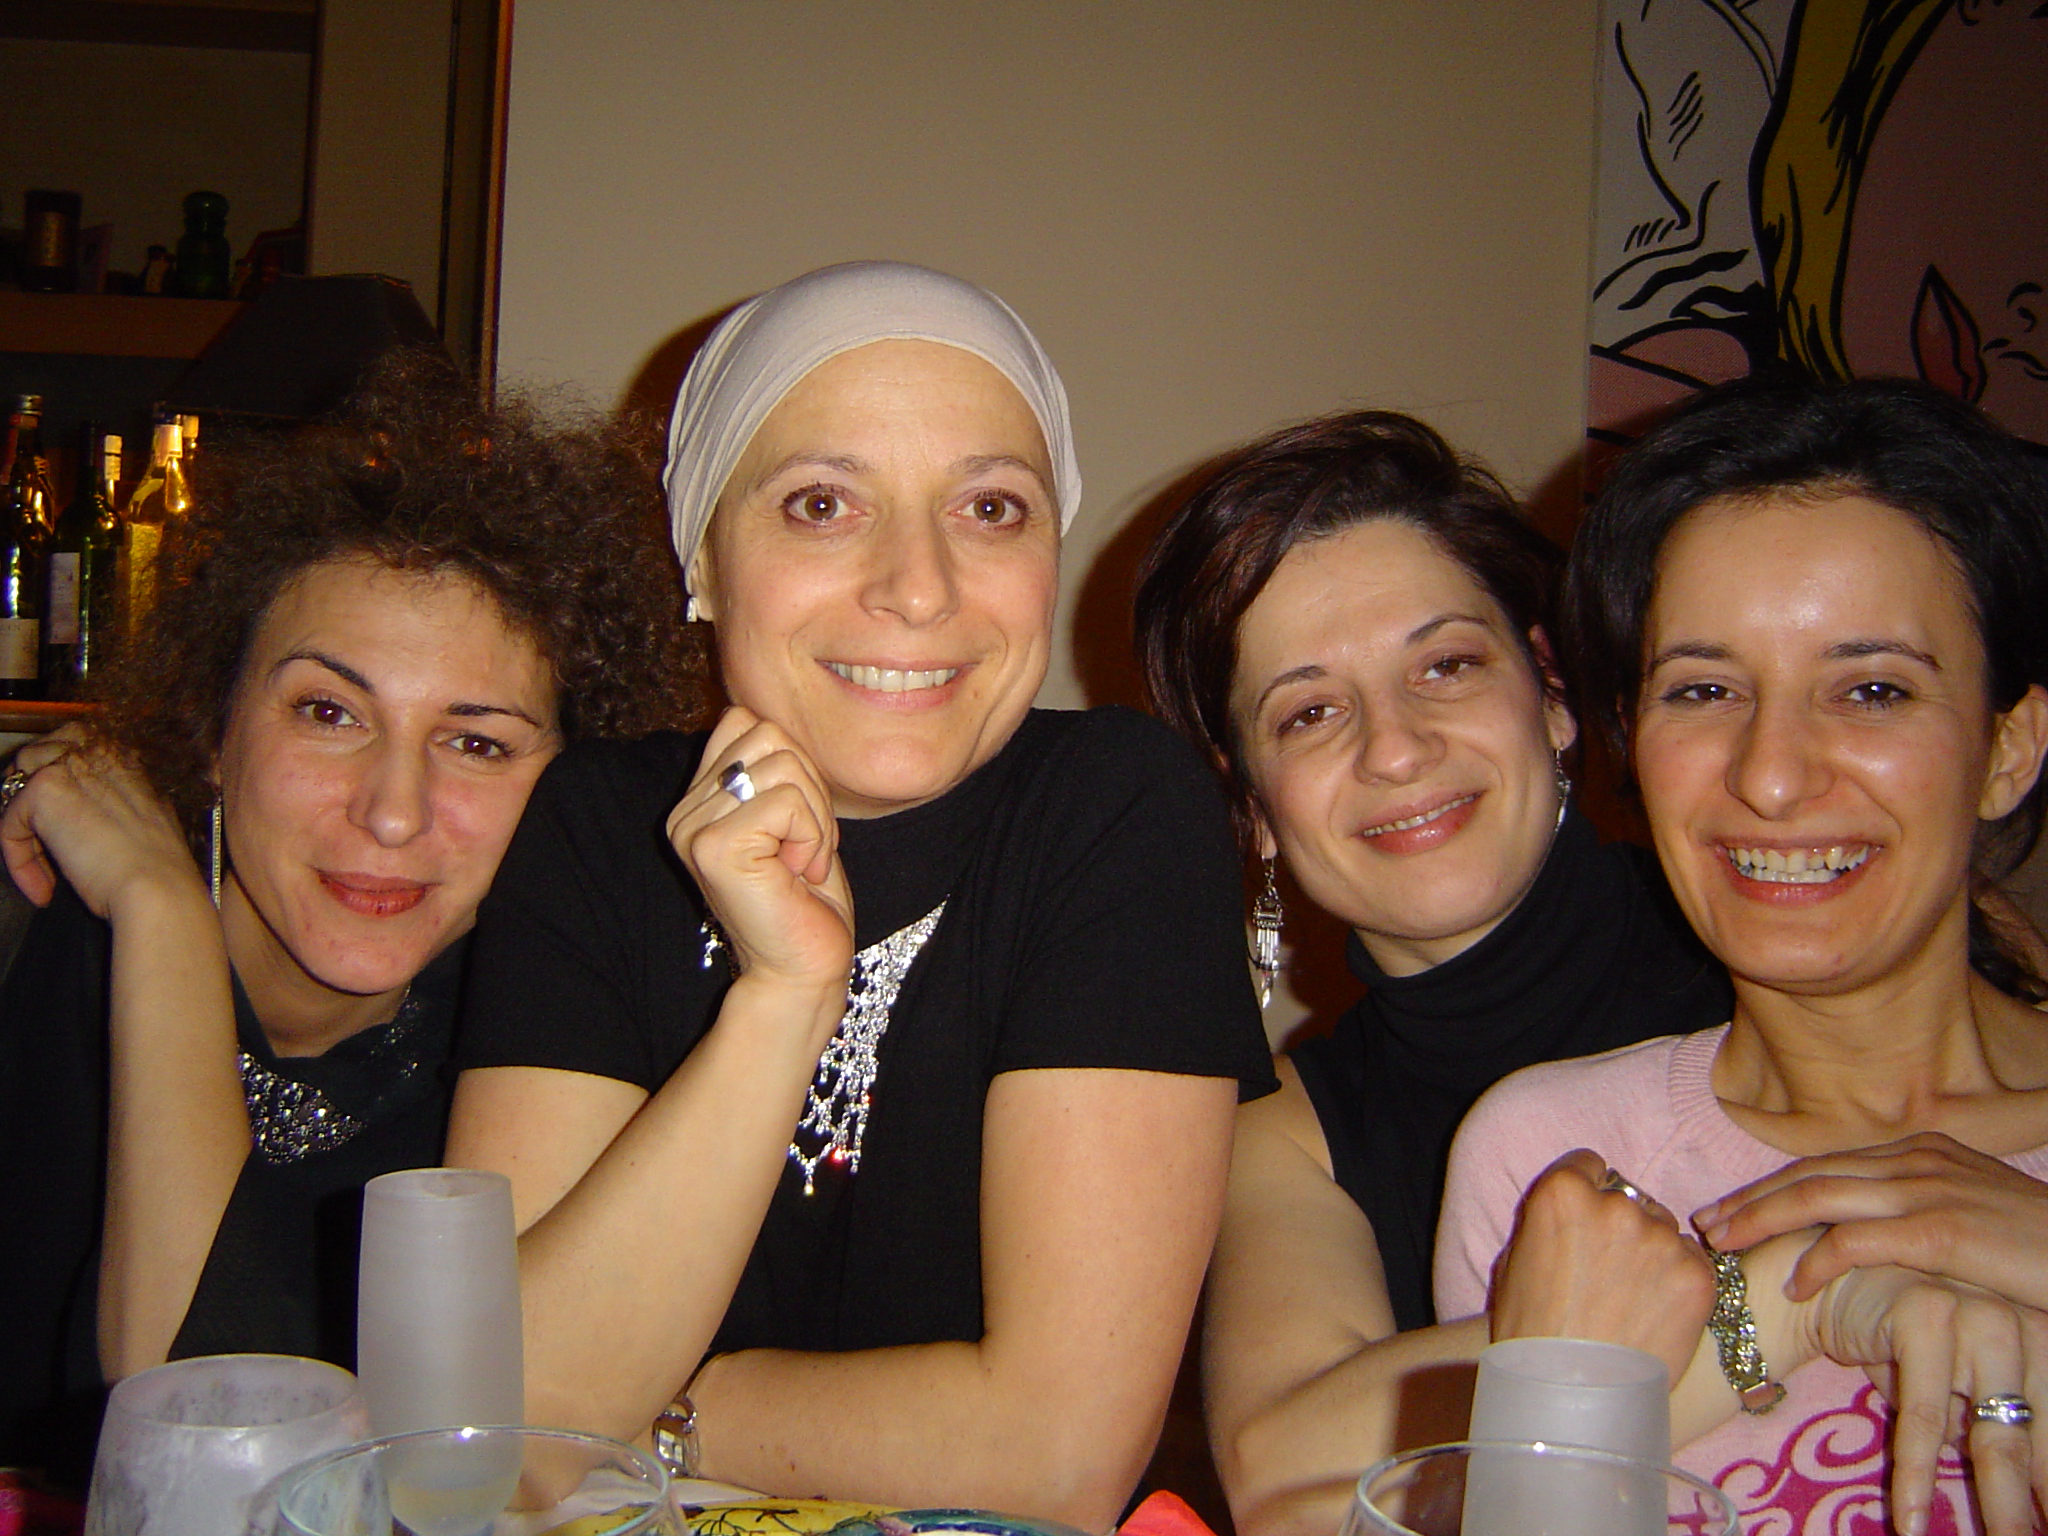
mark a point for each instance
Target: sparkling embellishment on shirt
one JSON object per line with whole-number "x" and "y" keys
{"x": 290, "y": 1120}
{"x": 836, "y": 1110}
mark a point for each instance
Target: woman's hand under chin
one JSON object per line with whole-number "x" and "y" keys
{"x": 1589, "y": 1262}
{"x": 769, "y": 866}
{"x": 87, "y": 811}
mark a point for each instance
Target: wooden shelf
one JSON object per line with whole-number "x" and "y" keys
{"x": 111, "y": 325}
{"x": 270, "y": 26}
{"x": 27, "y": 715}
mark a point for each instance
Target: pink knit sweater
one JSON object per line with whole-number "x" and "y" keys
{"x": 1816, "y": 1465}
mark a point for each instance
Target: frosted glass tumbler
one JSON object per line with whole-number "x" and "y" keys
{"x": 468, "y": 1482}
{"x": 1566, "y": 1392}
{"x": 437, "y": 1301}
{"x": 1574, "y": 1392}
{"x": 1429, "y": 1493}
{"x": 196, "y": 1447}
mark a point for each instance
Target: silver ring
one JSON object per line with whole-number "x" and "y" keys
{"x": 2007, "y": 1408}
{"x": 10, "y": 786}
{"x": 1612, "y": 1183}
{"x": 734, "y": 782}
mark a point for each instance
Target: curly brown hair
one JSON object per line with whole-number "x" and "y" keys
{"x": 562, "y": 524}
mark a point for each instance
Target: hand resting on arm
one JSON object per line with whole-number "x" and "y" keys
{"x": 1585, "y": 1263}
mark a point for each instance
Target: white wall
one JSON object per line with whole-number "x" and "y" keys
{"x": 1218, "y": 216}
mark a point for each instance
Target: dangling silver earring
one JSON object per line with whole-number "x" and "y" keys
{"x": 1564, "y": 789}
{"x": 1266, "y": 916}
{"x": 213, "y": 853}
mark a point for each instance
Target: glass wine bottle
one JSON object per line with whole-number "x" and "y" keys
{"x": 24, "y": 537}
{"x": 78, "y": 622}
{"x": 159, "y": 499}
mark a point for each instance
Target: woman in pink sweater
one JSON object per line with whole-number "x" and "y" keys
{"x": 1813, "y": 617}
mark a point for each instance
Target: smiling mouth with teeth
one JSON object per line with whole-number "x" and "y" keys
{"x": 1798, "y": 866}
{"x": 892, "y": 679}
{"x": 1408, "y": 822}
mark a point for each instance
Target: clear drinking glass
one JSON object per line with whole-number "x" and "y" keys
{"x": 469, "y": 1482}
{"x": 437, "y": 1301}
{"x": 1574, "y": 1392}
{"x": 195, "y": 1448}
{"x": 1564, "y": 1490}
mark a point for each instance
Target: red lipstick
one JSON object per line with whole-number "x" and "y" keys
{"x": 374, "y": 895}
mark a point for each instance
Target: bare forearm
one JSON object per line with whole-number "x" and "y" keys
{"x": 178, "y": 1129}
{"x": 925, "y": 1425}
{"x": 1289, "y": 1465}
{"x": 625, "y": 1280}
{"x": 1099, "y": 1201}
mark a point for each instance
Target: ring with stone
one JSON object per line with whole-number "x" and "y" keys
{"x": 2007, "y": 1408}
{"x": 734, "y": 782}
{"x": 1612, "y": 1183}
{"x": 10, "y": 786}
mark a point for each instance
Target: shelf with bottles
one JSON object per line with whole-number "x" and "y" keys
{"x": 111, "y": 325}
{"x": 72, "y": 581}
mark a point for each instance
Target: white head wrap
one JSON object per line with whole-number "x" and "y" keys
{"x": 761, "y": 350}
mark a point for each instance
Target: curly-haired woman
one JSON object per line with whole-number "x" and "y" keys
{"x": 369, "y": 644}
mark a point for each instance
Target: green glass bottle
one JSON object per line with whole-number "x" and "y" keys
{"x": 204, "y": 259}
{"x": 78, "y": 623}
{"x": 24, "y": 535}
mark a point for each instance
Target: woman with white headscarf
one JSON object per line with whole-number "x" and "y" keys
{"x": 865, "y": 1071}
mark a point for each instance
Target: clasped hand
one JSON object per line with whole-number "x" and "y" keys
{"x": 1586, "y": 1262}
{"x": 87, "y": 810}
{"x": 769, "y": 866}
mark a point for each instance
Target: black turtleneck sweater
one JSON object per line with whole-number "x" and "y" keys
{"x": 1596, "y": 956}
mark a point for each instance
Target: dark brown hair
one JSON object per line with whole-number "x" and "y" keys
{"x": 562, "y": 525}
{"x": 1221, "y": 547}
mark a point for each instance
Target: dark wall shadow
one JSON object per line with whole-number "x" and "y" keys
{"x": 1105, "y": 658}
{"x": 1556, "y": 506}
{"x": 652, "y": 394}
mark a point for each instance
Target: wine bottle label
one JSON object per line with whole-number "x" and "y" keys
{"x": 45, "y": 241}
{"x": 63, "y": 609}
{"x": 17, "y": 650}
{"x": 138, "y": 573}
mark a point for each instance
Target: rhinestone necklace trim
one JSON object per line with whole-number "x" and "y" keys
{"x": 835, "y": 1117}
{"x": 290, "y": 1120}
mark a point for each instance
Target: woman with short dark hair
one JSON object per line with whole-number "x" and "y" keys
{"x": 256, "y": 871}
{"x": 1352, "y": 622}
{"x": 1812, "y": 615}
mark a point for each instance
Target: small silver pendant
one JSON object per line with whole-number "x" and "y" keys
{"x": 835, "y": 1114}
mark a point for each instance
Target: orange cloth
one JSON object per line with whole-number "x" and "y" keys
{"x": 1164, "y": 1514}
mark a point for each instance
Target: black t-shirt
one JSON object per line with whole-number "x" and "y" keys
{"x": 280, "y": 1277}
{"x": 1595, "y": 956}
{"x": 1091, "y": 919}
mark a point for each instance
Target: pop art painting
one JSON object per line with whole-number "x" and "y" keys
{"x": 1848, "y": 187}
